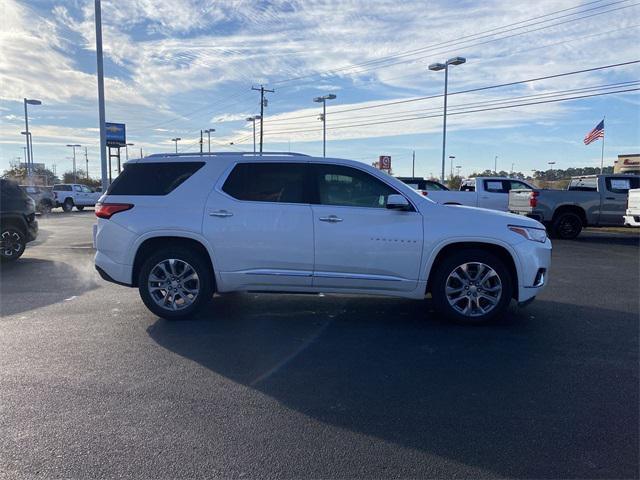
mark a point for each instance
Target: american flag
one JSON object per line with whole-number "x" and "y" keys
{"x": 595, "y": 134}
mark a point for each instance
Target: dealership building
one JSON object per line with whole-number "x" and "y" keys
{"x": 627, "y": 163}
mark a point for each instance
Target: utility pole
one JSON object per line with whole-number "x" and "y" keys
{"x": 263, "y": 103}
{"x": 323, "y": 117}
{"x": 200, "y": 142}
{"x": 101, "y": 112}
{"x": 495, "y": 164}
{"x": 86, "y": 159}
{"x": 413, "y": 164}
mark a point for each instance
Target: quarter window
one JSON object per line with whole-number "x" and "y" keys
{"x": 350, "y": 187}
{"x": 621, "y": 184}
{"x": 268, "y": 182}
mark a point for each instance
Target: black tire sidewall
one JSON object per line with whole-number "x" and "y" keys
{"x": 445, "y": 267}
{"x": 563, "y": 217}
{"x": 67, "y": 205}
{"x": 23, "y": 243}
{"x": 197, "y": 261}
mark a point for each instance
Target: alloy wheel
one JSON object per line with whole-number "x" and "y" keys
{"x": 173, "y": 284}
{"x": 473, "y": 289}
{"x": 11, "y": 243}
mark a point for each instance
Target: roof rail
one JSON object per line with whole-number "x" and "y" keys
{"x": 215, "y": 154}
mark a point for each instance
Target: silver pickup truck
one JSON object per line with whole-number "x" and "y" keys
{"x": 589, "y": 201}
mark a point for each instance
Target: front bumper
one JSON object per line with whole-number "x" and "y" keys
{"x": 534, "y": 260}
{"x": 632, "y": 220}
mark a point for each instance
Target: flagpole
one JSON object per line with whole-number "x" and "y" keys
{"x": 602, "y": 154}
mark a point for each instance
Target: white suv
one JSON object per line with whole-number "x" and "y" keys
{"x": 181, "y": 227}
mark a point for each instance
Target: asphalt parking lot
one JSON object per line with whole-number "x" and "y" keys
{"x": 264, "y": 386}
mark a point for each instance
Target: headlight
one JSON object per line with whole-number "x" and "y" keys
{"x": 535, "y": 234}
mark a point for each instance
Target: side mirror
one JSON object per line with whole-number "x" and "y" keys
{"x": 397, "y": 202}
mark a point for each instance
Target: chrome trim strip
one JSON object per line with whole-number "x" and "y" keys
{"x": 279, "y": 273}
{"x": 359, "y": 276}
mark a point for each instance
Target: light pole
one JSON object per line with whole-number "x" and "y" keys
{"x": 551, "y": 164}
{"x": 458, "y": 167}
{"x": 512, "y": 165}
{"x": 28, "y": 101}
{"x": 177, "y": 139}
{"x": 253, "y": 120}
{"x": 451, "y": 158}
{"x": 208, "y": 131}
{"x": 323, "y": 117}
{"x": 126, "y": 151}
{"x": 73, "y": 146}
{"x": 445, "y": 66}
{"x": 28, "y": 152}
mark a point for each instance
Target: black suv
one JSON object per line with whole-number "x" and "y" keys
{"x": 18, "y": 225}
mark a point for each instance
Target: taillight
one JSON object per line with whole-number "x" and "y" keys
{"x": 533, "y": 199}
{"x": 107, "y": 210}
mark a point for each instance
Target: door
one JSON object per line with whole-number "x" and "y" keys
{"x": 78, "y": 196}
{"x": 258, "y": 221}
{"x": 614, "y": 198}
{"x": 494, "y": 195}
{"x": 359, "y": 243}
{"x": 87, "y": 196}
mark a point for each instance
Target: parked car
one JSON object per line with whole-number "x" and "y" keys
{"x": 42, "y": 196}
{"x": 483, "y": 192}
{"x": 18, "y": 224}
{"x": 69, "y": 195}
{"x": 632, "y": 215}
{"x": 179, "y": 227}
{"x": 422, "y": 185}
{"x": 588, "y": 201}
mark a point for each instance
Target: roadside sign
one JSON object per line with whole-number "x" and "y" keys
{"x": 384, "y": 162}
{"x": 116, "y": 134}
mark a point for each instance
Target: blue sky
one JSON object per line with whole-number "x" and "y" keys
{"x": 173, "y": 68}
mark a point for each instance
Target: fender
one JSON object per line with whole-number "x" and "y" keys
{"x": 175, "y": 233}
{"x": 427, "y": 266}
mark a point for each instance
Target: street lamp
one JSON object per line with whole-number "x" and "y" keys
{"x": 28, "y": 151}
{"x": 73, "y": 146}
{"x": 126, "y": 153}
{"x": 208, "y": 131}
{"x": 253, "y": 120}
{"x": 495, "y": 164}
{"x": 451, "y": 158}
{"x": 28, "y": 101}
{"x": 176, "y": 140}
{"x": 458, "y": 167}
{"x": 323, "y": 117}
{"x": 445, "y": 66}
{"x": 551, "y": 164}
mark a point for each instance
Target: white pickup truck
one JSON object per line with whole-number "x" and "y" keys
{"x": 632, "y": 215}
{"x": 483, "y": 192}
{"x": 69, "y": 195}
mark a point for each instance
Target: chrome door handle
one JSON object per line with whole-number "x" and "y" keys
{"x": 330, "y": 219}
{"x": 221, "y": 213}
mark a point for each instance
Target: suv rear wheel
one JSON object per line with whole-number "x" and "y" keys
{"x": 12, "y": 243}
{"x": 67, "y": 205}
{"x": 471, "y": 286}
{"x": 175, "y": 282}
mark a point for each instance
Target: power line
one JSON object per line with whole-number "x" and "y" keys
{"x": 462, "y": 112}
{"x": 459, "y": 41}
{"x": 470, "y": 90}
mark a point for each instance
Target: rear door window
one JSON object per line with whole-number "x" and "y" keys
{"x": 621, "y": 185}
{"x": 516, "y": 185}
{"x": 148, "y": 178}
{"x": 268, "y": 182}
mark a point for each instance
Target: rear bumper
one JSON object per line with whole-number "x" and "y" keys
{"x": 113, "y": 271}
{"x": 632, "y": 220}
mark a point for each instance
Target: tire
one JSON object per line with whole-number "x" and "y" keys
{"x": 79, "y": 207}
{"x": 12, "y": 243}
{"x": 202, "y": 284}
{"x": 459, "y": 303}
{"x": 67, "y": 205}
{"x": 567, "y": 226}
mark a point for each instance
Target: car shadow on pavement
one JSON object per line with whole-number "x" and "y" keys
{"x": 519, "y": 397}
{"x": 48, "y": 282}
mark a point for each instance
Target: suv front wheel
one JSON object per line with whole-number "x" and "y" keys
{"x": 471, "y": 286}
{"x": 175, "y": 282}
